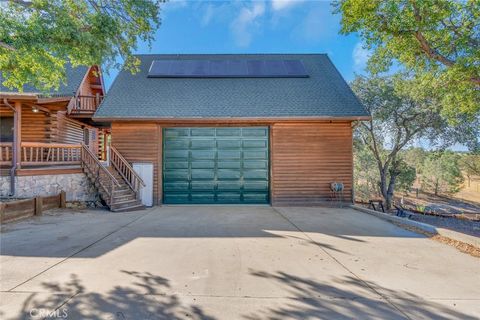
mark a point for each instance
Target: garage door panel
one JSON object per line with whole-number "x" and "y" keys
{"x": 255, "y": 144}
{"x": 203, "y": 144}
{"x": 255, "y": 132}
{"x": 255, "y": 154}
{"x": 255, "y": 164}
{"x": 229, "y": 197}
{"x": 216, "y": 165}
{"x": 229, "y": 185}
{"x": 202, "y": 132}
{"x": 176, "y": 132}
{"x": 202, "y": 197}
{"x": 176, "y": 165}
{"x": 255, "y": 174}
{"x": 255, "y": 185}
{"x": 176, "y": 186}
{"x": 229, "y": 155}
{"x": 228, "y": 164}
{"x": 175, "y": 175}
{"x": 229, "y": 144}
{"x": 255, "y": 198}
{"x": 203, "y": 164}
{"x": 176, "y": 198}
{"x": 228, "y": 174}
{"x": 177, "y": 154}
{"x": 202, "y": 174}
{"x": 177, "y": 144}
{"x": 235, "y": 132}
{"x": 203, "y": 185}
{"x": 203, "y": 154}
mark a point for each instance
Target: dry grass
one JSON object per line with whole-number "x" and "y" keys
{"x": 459, "y": 245}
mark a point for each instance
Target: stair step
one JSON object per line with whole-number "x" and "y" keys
{"x": 121, "y": 198}
{"x": 125, "y": 202}
{"x": 131, "y": 208}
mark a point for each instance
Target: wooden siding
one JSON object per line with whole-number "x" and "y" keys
{"x": 306, "y": 158}
{"x": 140, "y": 142}
{"x": 35, "y": 126}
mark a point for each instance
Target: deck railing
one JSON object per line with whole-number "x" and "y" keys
{"x": 99, "y": 175}
{"x": 34, "y": 153}
{"x": 41, "y": 154}
{"x": 126, "y": 171}
{"x": 85, "y": 104}
{"x": 5, "y": 153}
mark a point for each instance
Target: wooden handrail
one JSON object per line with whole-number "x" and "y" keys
{"x": 124, "y": 168}
{"x": 105, "y": 180}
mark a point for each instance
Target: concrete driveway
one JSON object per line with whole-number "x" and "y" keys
{"x": 231, "y": 262}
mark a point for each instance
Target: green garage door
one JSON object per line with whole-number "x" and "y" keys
{"x": 215, "y": 165}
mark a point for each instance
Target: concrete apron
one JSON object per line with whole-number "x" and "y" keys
{"x": 233, "y": 262}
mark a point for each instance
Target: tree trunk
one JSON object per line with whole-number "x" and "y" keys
{"x": 383, "y": 185}
{"x": 391, "y": 187}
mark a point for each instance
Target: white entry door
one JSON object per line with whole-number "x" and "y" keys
{"x": 145, "y": 171}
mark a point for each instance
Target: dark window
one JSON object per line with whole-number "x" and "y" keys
{"x": 6, "y": 129}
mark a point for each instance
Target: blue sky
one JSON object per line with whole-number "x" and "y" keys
{"x": 274, "y": 26}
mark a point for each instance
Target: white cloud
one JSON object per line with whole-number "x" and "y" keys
{"x": 208, "y": 15}
{"x": 360, "y": 57}
{"x": 283, "y": 4}
{"x": 242, "y": 26}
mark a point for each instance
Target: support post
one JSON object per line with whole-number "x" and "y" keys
{"x": 38, "y": 206}
{"x": 63, "y": 197}
{"x": 17, "y": 135}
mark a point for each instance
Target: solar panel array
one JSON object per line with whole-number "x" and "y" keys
{"x": 227, "y": 69}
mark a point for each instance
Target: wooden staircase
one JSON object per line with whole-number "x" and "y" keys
{"x": 118, "y": 185}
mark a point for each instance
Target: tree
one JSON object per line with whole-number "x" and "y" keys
{"x": 441, "y": 173}
{"x": 38, "y": 37}
{"x": 470, "y": 163}
{"x": 437, "y": 40}
{"x": 397, "y": 120}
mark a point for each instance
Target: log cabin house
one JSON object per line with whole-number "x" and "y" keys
{"x": 240, "y": 129}
{"x": 49, "y": 143}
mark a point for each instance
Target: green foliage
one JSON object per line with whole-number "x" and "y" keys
{"x": 437, "y": 41}
{"x": 366, "y": 178}
{"x": 415, "y": 157}
{"x": 398, "y": 119}
{"x": 38, "y": 38}
{"x": 441, "y": 173}
{"x": 470, "y": 164}
{"x": 406, "y": 176}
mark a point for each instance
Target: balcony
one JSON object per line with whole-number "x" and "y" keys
{"x": 83, "y": 106}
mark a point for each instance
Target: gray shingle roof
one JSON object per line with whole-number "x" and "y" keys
{"x": 74, "y": 77}
{"x": 324, "y": 94}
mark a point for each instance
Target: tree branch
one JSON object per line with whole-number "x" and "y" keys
{"x": 7, "y": 46}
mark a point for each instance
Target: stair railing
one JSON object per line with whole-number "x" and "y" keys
{"x": 99, "y": 174}
{"x": 125, "y": 170}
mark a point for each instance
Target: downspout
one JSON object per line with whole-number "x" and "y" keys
{"x": 13, "y": 169}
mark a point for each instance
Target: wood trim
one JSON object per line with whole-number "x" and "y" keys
{"x": 48, "y": 171}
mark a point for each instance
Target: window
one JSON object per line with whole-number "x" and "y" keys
{"x": 6, "y": 129}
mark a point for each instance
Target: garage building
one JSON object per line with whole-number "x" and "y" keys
{"x": 236, "y": 129}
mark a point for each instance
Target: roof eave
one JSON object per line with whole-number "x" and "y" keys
{"x": 236, "y": 119}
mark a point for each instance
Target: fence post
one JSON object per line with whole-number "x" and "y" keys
{"x": 63, "y": 198}
{"x": 2, "y": 210}
{"x": 38, "y": 206}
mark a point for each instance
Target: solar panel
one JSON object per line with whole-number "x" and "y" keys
{"x": 233, "y": 68}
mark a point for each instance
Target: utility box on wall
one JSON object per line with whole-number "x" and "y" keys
{"x": 145, "y": 171}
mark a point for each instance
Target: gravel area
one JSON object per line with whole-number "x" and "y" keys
{"x": 465, "y": 226}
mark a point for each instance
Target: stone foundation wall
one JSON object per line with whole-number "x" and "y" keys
{"x": 76, "y": 185}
